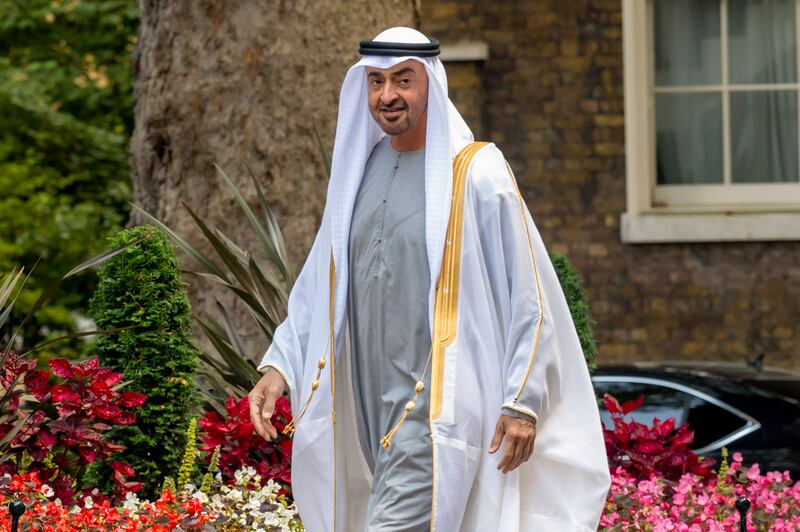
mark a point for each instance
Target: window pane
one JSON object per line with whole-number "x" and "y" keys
{"x": 687, "y": 42}
{"x": 688, "y": 138}
{"x": 711, "y": 423}
{"x": 659, "y": 401}
{"x": 762, "y": 41}
{"x": 764, "y": 136}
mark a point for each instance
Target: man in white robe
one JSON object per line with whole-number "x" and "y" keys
{"x": 501, "y": 339}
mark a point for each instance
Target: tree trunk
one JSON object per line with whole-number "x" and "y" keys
{"x": 237, "y": 82}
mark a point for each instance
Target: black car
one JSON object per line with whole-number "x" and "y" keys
{"x": 745, "y": 407}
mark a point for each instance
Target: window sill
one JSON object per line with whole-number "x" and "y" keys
{"x": 465, "y": 51}
{"x": 649, "y": 228}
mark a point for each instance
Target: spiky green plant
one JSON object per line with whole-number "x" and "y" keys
{"x": 213, "y": 466}
{"x": 263, "y": 287}
{"x": 189, "y": 455}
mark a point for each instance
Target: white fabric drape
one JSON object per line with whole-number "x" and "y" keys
{"x": 498, "y": 354}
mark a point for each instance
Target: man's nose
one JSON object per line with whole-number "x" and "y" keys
{"x": 388, "y": 94}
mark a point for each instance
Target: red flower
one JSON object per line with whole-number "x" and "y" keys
{"x": 240, "y": 446}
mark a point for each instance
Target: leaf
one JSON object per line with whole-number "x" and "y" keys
{"x": 222, "y": 250}
{"x": 190, "y": 250}
{"x": 236, "y": 361}
{"x": 326, "y": 160}
{"x": 612, "y": 405}
{"x": 630, "y": 406}
{"x": 101, "y": 258}
{"x": 280, "y": 259}
{"x": 61, "y": 367}
{"x": 123, "y": 468}
{"x": 70, "y": 336}
{"x": 233, "y": 336}
{"x": 131, "y": 399}
{"x": 266, "y": 240}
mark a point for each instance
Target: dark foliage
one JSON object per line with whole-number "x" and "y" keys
{"x": 571, "y": 284}
{"x": 141, "y": 288}
{"x": 66, "y": 102}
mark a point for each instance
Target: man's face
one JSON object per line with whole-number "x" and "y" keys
{"x": 398, "y": 96}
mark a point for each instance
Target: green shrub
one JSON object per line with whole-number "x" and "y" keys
{"x": 66, "y": 114}
{"x": 571, "y": 284}
{"x": 141, "y": 288}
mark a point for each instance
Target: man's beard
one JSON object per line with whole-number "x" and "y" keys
{"x": 397, "y": 125}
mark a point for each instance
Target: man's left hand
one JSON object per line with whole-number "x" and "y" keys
{"x": 519, "y": 435}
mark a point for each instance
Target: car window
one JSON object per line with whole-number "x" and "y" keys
{"x": 710, "y": 422}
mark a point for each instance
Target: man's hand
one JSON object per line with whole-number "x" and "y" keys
{"x": 519, "y": 435}
{"x": 262, "y": 403}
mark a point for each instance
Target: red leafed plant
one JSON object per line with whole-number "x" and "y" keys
{"x": 60, "y": 428}
{"x": 240, "y": 446}
{"x": 643, "y": 450}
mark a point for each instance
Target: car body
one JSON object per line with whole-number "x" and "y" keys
{"x": 743, "y": 407}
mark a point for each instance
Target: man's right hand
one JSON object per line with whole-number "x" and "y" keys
{"x": 262, "y": 403}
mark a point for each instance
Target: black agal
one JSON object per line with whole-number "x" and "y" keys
{"x": 399, "y": 49}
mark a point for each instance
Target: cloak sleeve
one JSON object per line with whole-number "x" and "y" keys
{"x": 289, "y": 345}
{"x": 513, "y": 254}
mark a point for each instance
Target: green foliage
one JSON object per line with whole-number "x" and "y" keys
{"x": 67, "y": 113}
{"x": 141, "y": 288}
{"x": 571, "y": 284}
{"x": 263, "y": 289}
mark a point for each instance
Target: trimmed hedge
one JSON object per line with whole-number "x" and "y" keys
{"x": 571, "y": 284}
{"x": 142, "y": 288}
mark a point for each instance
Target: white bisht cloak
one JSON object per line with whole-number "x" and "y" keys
{"x": 503, "y": 337}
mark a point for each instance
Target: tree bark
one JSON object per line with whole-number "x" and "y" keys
{"x": 237, "y": 82}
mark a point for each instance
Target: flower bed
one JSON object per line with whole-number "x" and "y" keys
{"x": 243, "y": 506}
{"x": 695, "y": 503}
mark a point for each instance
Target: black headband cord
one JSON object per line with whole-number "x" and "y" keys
{"x": 400, "y": 49}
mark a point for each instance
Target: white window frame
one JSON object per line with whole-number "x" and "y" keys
{"x": 688, "y": 213}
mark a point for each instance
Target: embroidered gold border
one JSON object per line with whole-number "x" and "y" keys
{"x": 540, "y": 321}
{"x": 332, "y": 282}
{"x": 446, "y": 303}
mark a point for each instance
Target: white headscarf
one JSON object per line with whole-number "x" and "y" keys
{"x": 357, "y": 133}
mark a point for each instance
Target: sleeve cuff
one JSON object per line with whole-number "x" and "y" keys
{"x": 265, "y": 366}
{"x": 510, "y": 409}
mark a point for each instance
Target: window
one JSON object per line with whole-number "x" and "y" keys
{"x": 712, "y": 114}
{"x": 714, "y": 423}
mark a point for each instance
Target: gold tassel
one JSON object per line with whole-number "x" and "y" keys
{"x": 289, "y": 429}
{"x": 386, "y": 441}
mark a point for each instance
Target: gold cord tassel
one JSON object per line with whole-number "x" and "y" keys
{"x": 289, "y": 429}
{"x": 386, "y": 441}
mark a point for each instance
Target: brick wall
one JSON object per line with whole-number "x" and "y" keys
{"x": 551, "y": 97}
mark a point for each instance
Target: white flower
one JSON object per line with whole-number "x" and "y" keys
{"x": 57, "y": 502}
{"x": 47, "y": 491}
{"x": 88, "y": 502}
{"x": 131, "y": 501}
{"x": 202, "y": 497}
